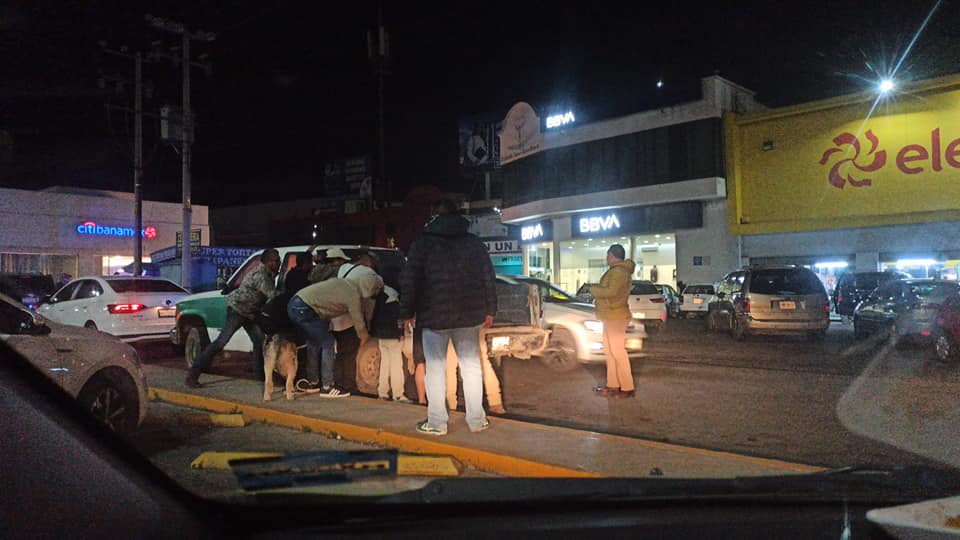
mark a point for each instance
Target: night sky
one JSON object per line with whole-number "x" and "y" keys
{"x": 291, "y": 85}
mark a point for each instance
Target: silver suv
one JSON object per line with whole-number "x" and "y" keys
{"x": 770, "y": 300}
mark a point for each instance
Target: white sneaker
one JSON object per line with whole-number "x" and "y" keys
{"x": 332, "y": 392}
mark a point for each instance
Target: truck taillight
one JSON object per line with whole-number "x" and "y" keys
{"x": 118, "y": 309}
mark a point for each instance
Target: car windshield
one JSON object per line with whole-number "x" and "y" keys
{"x": 792, "y": 281}
{"x": 769, "y": 193}
{"x": 644, "y": 288}
{"x": 144, "y": 286}
{"x": 699, "y": 289}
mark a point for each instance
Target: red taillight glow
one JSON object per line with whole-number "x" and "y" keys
{"x": 826, "y": 307}
{"x": 658, "y": 300}
{"x": 925, "y": 333}
{"x": 117, "y": 309}
{"x": 746, "y": 305}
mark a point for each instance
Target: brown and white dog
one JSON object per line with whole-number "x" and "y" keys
{"x": 280, "y": 354}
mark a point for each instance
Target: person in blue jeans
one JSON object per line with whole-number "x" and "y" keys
{"x": 449, "y": 286}
{"x": 311, "y": 310}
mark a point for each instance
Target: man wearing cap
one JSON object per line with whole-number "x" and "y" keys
{"x": 360, "y": 272}
{"x": 328, "y": 265}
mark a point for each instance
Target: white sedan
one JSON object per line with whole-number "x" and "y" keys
{"x": 648, "y": 305}
{"x": 132, "y": 308}
{"x": 100, "y": 371}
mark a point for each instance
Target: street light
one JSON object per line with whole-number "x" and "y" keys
{"x": 886, "y": 86}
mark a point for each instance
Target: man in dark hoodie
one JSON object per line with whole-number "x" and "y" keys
{"x": 448, "y": 284}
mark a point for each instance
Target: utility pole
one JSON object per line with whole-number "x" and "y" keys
{"x": 137, "y": 153}
{"x": 138, "y": 167}
{"x": 187, "y": 130}
{"x": 378, "y": 49}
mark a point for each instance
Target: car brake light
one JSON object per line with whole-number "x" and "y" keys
{"x": 658, "y": 300}
{"x": 124, "y": 308}
{"x": 839, "y": 299}
{"x": 826, "y": 306}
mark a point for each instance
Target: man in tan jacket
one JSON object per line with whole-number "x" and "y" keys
{"x": 611, "y": 298}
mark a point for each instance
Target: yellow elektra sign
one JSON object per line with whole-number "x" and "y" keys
{"x": 833, "y": 164}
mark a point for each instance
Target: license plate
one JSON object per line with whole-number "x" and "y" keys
{"x": 166, "y": 312}
{"x": 788, "y": 304}
{"x": 639, "y": 315}
{"x": 698, "y": 300}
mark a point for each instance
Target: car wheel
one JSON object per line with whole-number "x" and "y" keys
{"x": 738, "y": 330}
{"x": 197, "y": 340}
{"x": 111, "y": 397}
{"x": 944, "y": 346}
{"x": 368, "y": 367}
{"x": 562, "y": 353}
{"x": 90, "y": 324}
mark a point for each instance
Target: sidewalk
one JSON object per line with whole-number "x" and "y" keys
{"x": 509, "y": 447}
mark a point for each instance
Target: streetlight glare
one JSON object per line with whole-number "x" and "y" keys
{"x": 886, "y": 85}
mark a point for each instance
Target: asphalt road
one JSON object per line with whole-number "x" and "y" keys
{"x": 767, "y": 396}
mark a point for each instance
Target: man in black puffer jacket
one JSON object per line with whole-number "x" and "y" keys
{"x": 448, "y": 284}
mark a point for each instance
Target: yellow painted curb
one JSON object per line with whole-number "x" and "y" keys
{"x": 490, "y": 461}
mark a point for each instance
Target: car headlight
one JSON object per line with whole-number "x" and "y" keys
{"x": 594, "y": 326}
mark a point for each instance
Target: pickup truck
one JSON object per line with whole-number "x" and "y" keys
{"x": 516, "y": 331}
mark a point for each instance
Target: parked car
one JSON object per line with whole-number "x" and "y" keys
{"x": 906, "y": 308}
{"x": 100, "y": 371}
{"x": 648, "y": 305}
{"x": 132, "y": 308}
{"x": 576, "y": 336}
{"x": 853, "y": 287}
{"x": 770, "y": 300}
{"x": 695, "y": 299}
{"x": 28, "y": 288}
{"x": 583, "y": 293}
{"x": 946, "y": 334}
{"x": 672, "y": 298}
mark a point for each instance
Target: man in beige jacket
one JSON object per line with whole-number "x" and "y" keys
{"x": 311, "y": 310}
{"x": 611, "y": 298}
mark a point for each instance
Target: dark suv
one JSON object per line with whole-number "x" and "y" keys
{"x": 28, "y": 289}
{"x": 853, "y": 288}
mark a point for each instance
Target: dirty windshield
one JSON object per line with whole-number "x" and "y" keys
{"x": 338, "y": 238}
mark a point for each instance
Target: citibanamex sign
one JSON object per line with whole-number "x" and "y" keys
{"x": 911, "y": 159}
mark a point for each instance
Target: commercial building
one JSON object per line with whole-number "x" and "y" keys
{"x": 653, "y": 181}
{"x": 76, "y": 232}
{"x": 866, "y": 182}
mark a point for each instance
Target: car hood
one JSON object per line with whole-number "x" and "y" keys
{"x": 577, "y": 308}
{"x": 199, "y": 296}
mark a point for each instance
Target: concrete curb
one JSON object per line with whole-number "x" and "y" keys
{"x": 489, "y": 461}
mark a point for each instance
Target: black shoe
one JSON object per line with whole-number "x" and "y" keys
{"x": 192, "y": 380}
{"x": 605, "y": 391}
{"x": 624, "y": 393}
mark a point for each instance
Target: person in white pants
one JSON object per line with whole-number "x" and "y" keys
{"x": 388, "y": 327}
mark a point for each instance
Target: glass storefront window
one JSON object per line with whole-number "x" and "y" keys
{"x": 61, "y": 267}
{"x": 113, "y": 265}
{"x": 924, "y": 268}
{"x": 584, "y": 260}
{"x": 538, "y": 260}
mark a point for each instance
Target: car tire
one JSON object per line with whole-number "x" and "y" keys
{"x": 197, "y": 340}
{"x": 368, "y": 367}
{"x": 944, "y": 346}
{"x": 562, "y": 353}
{"x": 91, "y": 325}
{"x": 112, "y": 398}
{"x": 737, "y": 330}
